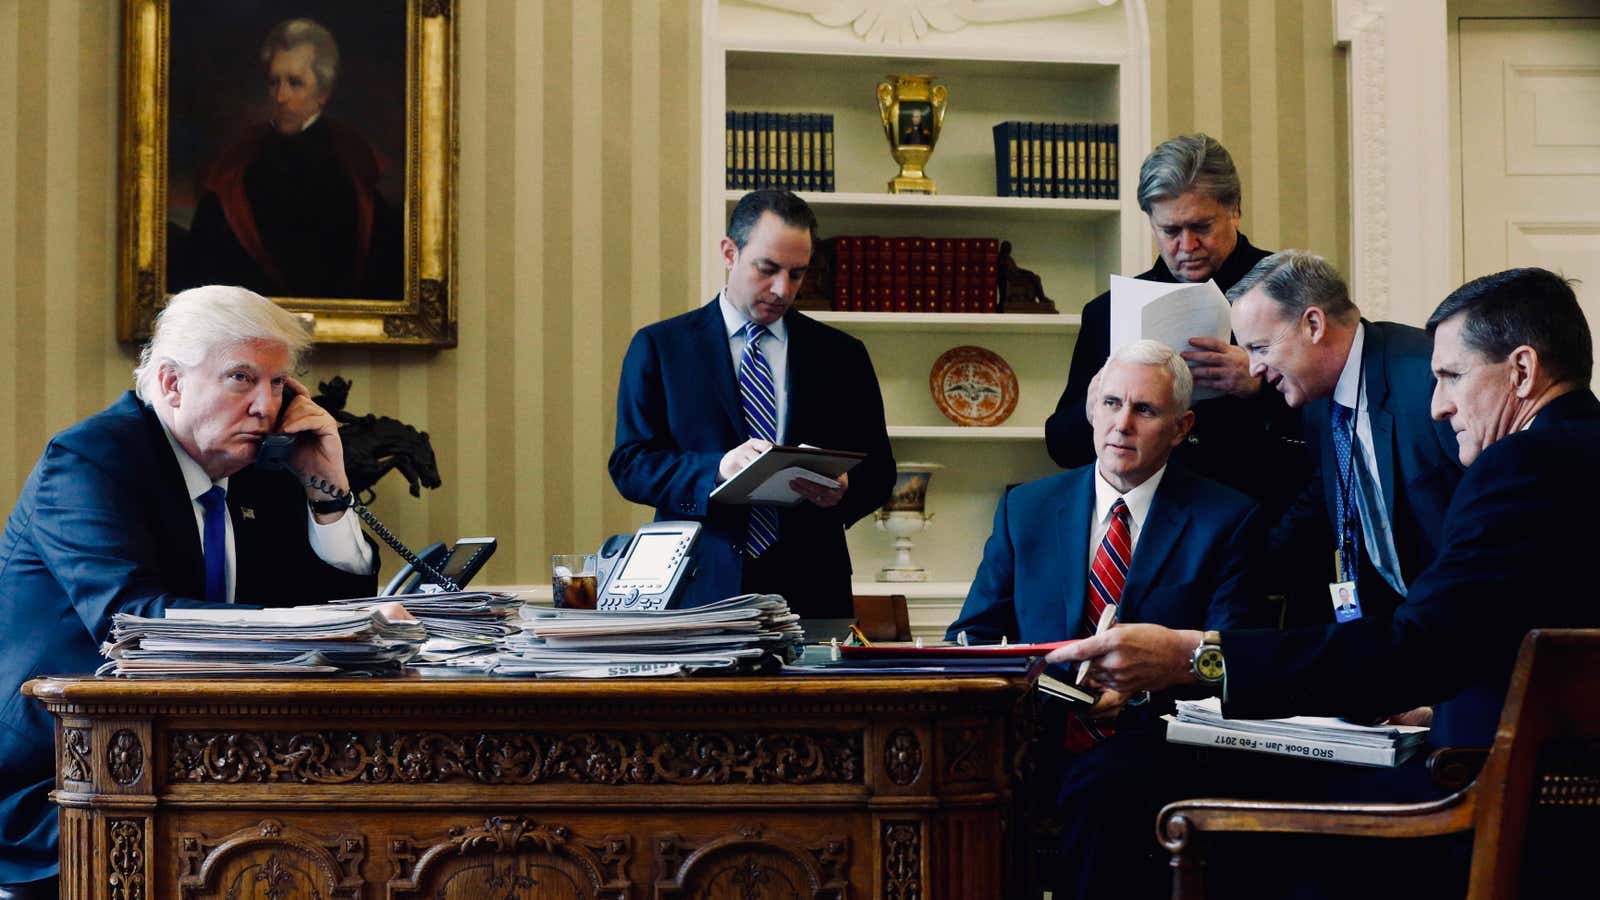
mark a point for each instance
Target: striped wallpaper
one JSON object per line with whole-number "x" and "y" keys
{"x": 577, "y": 203}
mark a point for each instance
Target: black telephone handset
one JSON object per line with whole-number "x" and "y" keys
{"x": 277, "y": 452}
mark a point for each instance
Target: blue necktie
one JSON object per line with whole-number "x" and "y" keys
{"x": 1346, "y": 515}
{"x": 760, "y": 421}
{"x": 215, "y": 544}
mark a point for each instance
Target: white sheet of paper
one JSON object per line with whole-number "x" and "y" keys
{"x": 1169, "y": 313}
{"x": 776, "y": 488}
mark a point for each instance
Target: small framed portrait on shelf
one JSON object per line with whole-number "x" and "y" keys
{"x": 916, "y": 123}
{"x": 304, "y": 151}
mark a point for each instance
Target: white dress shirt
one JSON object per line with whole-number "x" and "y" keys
{"x": 775, "y": 348}
{"x": 339, "y": 543}
{"x": 1138, "y": 501}
{"x": 1378, "y": 539}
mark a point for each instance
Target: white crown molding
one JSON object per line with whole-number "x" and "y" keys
{"x": 1399, "y": 154}
{"x": 906, "y": 21}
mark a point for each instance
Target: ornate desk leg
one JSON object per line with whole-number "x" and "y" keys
{"x": 104, "y": 790}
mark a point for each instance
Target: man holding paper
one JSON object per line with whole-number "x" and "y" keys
{"x": 1243, "y": 436}
{"x": 1137, "y": 533}
{"x": 1513, "y": 355}
{"x": 703, "y": 394}
{"x": 1383, "y": 473}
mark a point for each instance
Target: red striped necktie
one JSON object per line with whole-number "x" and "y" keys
{"x": 1109, "y": 571}
{"x": 1107, "y": 574}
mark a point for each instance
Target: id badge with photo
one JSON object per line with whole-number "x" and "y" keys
{"x": 1346, "y": 602}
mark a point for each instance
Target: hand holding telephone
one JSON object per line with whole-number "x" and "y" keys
{"x": 277, "y": 451}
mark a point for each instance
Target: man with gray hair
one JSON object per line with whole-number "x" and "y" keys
{"x": 1247, "y": 439}
{"x": 1382, "y": 472}
{"x": 154, "y": 504}
{"x": 292, "y": 208}
{"x": 1137, "y": 533}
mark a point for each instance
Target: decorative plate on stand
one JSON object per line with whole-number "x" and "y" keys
{"x": 973, "y": 386}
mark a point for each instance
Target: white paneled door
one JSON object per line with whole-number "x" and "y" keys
{"x": 1530, "y": 149}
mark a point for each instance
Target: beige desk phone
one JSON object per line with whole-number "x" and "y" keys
{"x": 647, "y": 569}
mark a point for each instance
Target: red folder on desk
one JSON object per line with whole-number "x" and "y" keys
{"x": 902, "y": 650}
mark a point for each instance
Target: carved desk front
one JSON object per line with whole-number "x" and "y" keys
{"x": 886, "y": 787}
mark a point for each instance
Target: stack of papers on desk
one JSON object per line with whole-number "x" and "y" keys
{"x": 736, "y": 634}
{"x": 1200, "y": 722}
{"x": 464, "y": 628}
{"x": 310, "y": 640}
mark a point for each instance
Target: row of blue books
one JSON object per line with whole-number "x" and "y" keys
{"x": 790, "y": 151}
{"x": 1073, "y": 160}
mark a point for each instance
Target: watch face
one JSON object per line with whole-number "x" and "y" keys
{"x": 1208, "y": 664}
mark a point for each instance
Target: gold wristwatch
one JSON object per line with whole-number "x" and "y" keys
{"x": 1206, "y": 664}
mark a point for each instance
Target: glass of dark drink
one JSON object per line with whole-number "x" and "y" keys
{"x": 573, "y": 581}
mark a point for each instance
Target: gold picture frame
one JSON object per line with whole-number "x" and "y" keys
{"x": 155, "y": 250}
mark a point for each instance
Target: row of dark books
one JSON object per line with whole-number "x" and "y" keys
{"x": 912, "y": 274}
{"x": 1073, "y": 160}
{"x": 791, "y": 151}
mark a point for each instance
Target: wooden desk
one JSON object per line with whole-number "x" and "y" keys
{"x": 886, "y": 787}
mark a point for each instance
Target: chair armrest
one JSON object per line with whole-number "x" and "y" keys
{"x": 1178, "y": 821}
{"x": 1180, "y": 824}
{"x": 1453, "y": 768}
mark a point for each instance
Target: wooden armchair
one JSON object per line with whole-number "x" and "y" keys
{"x": 1539, "y": 786}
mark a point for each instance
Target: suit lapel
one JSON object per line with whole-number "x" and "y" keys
{"x": 1072, "y": 529}
{"x": 1163, "y": 526}
{"x": 176, "y": 509}
{"x": 797, "y": 386}
{"x": 711, "y": 334}
{"x": 1377, "y": 387}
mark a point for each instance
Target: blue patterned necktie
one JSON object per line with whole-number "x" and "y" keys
{"x": 215, "y": 502}
{"x": 1347, "y": 517}
{"x": 760, "y": 421}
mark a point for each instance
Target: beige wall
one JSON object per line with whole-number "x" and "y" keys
{"x": 577, "y": 204}
{"x": 1264, "y": 78}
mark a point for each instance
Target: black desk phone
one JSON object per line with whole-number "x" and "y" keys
{"x": 648, "y": 569}
{"x": 437, "y": 568}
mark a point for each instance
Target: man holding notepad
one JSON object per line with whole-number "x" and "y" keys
{"x": 704, "y": 394}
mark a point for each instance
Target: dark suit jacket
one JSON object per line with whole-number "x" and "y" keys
{"x": 1192, "y": 567}
{"x": 1418, "y": 466}
{"x": 104, "y": 525}
{"x": 1253, "y": 446}
{"x": 678, "y": 412}
{"x": 1510, "y": 560}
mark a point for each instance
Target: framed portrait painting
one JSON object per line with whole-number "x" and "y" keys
{"x": 302, "y": 149}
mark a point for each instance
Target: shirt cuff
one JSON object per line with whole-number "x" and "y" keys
{"x": 340, "y": 543}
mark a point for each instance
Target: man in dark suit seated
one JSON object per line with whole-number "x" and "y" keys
{"x": 1140, "y": 532}
{"x": 153, "y": 504}
{"x": 704, "y": 393}
{"x": 1513, "y": 357}
{"x": 1382, "y": 473}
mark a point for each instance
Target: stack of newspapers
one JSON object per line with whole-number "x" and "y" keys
{"x": 1200, "y": 722}
{"x": 465, "y": 628}
{"x": 307, "y": 640}
{"x": 739, "y": 634}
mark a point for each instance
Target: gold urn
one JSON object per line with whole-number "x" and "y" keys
{"x": 912, "y": 108}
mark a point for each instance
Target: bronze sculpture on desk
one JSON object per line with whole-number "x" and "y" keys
{"x": 912, "y": 109}
{"x": 376, "y": 445}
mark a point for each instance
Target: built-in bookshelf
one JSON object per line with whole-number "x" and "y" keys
{"x": 1047, "y": 65}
